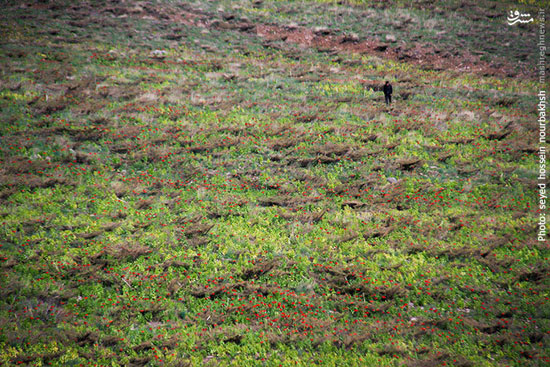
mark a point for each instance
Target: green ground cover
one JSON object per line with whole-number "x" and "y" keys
{"x": 179, "y": 188}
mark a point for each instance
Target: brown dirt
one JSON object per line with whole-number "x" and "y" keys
{"x": 197, "y": 241}
{"x": 283, "y": 143}
{"x": 378, "y": 233}
{"x": 87, "y": 134}
{"x": 244, "y": 288}
{"x": 128, "y": 251}
{"x": 438, "y": 360}
{"x": 303, "y": 217}
{"x": 140, "y": 361}
{"x": 408, "y": 164}
{"x": 353, "y": 204}
{"x": 331, "y": 149}
{"x": 340, "y": 279}
{"x": 420, "y": 54}
{"x": 174, "y": 263}
{"x": 213, "y": 145}
{"x": 320, "y": 159}
{"x": 108, "y": 227}
{"x": 359, "y": 154}
{"x": 423, "y": 54}
{"x": 88, "y": 338}
{"x": 18, "y": 165}
{"x": 218, "y": 291}
{"x": 143, "y": 346}
{"x": 90, "y": 235}
{"x": 33, "y": 181}
{"x": 196, "y": 229}
{"x": 259, "y": 269}
{"x": 536, "y": 275}
{"x": 349, "y": 236}
{"x": 287, "y": 201}
{"x": 458, "y": 141}
{"x": 391, "y": 350}
{"x": 144, "y": 204}
{"x": 498, "y": 135}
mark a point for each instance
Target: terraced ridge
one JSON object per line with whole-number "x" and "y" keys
{"x": 220, "y": 183}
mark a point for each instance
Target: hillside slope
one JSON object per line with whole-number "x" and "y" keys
{"x": 211, "y": 183}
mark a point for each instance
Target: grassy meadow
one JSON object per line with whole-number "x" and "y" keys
{"x": 219, "y": 183}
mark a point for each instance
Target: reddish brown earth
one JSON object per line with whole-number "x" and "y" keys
{"x": 425, "y": 55}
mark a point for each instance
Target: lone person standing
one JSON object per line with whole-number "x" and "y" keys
{"x": 387, "y": 92}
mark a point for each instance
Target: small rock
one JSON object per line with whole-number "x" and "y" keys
{"x": 228, "y": 16}
{"x": 136, "y": 9}
{"x": 235, "y": 67}
{"x": 351, "y": 37}
{"x": 158, "y": 54}
{"x": 112, "y": 55}
{"x": 467, "y": 116}
{"x": 321, "y": 31}
{"x": 291, "y": 26}
{"x": 392, "y": 180}
{"x": 391, "y": 38}
{"x": 441, "y": 126}
{"x": 225, "y": 25}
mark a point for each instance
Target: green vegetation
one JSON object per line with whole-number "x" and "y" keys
{"x": 201, "y": 183}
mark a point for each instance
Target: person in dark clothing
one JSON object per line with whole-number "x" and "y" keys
{"x": 387, "y": 92}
